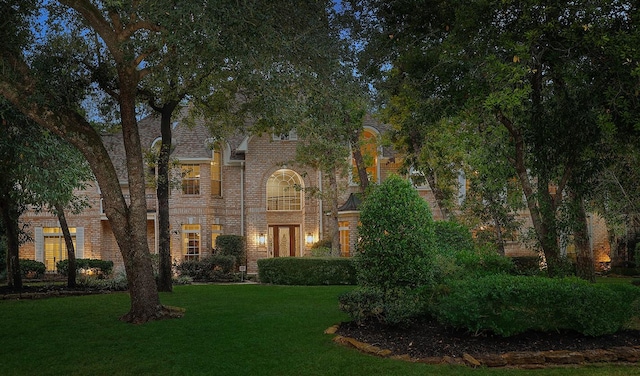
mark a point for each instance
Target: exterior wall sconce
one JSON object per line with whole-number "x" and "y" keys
{"x": 309, "y": 238}
{"x": 262, "y": 240}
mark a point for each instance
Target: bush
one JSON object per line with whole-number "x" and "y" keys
{"x": 117, "y": 282}
{"x": 396, "y": 237}
{"x": 307, "y": 271}
{"x": 99, "y": 267}
{"x": 508, "y": 305}
{"x": 231, "y": 245}
{"x": 392, "y": 307}
{"x": 452, "y": 236}
{"x": 526, "y": 265}
{"x": 211, "y": 268}
{"x": 32, "y": 267}
{"x": 324, "y": 243}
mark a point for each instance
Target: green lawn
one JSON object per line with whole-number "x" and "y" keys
{"x": 227, "y": 330}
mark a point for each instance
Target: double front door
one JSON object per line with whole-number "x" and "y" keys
{"x": 283, "y": 240}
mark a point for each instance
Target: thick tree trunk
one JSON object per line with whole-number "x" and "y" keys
{"x": 10, "y": 222}
{"x": 71, "y": 252}
{"x": 162, "y": 191}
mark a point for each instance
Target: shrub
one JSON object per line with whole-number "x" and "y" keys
{"x": 396, "y": 237}
{"x": 452, "y": 236}
{"x": 526, "y": 265}
{"x": 392, "y": 307}
{"x": 231, "y": 245}
{"x": 211, "y": 268}
{"x": 117, "y": 282}
{"x": 100, "y": 267}
{"x": 307, "y": 271}
{"x": 508, "y": 305}
{"x": 324, "y": 243}
{"x": 28, "y": 267}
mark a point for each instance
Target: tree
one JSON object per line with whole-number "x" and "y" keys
{"x": 529, "y": 72}
{"x": 331, "y": 131}
{"x": 39, "y": 171}
{"x": 116, "y": 47}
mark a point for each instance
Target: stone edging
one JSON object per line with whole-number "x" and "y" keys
{"x": 521, "y": 359}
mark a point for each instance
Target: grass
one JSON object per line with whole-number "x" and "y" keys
{"x": 227, "y": 330}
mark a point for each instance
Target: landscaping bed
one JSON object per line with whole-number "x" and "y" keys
{"x": 428, "y": 339}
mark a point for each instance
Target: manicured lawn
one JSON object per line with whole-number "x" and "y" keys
{"x": 227, "y": 330}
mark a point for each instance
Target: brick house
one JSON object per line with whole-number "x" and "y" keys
{"x": 243, "y": 185}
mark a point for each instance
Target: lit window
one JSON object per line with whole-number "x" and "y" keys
{"x": 191, "y": 242}
{"x": 191, "y": 179}
{"x": 216, "y": 172}
{"x": 55, "y": 248}
{"x": 345, "y": 248}
{"x": 216, "y": 230}
{"x": 284, "y": 191}
{"x": 369, "y": 151}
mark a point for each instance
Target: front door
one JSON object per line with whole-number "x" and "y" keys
{"x": 283, "y": 240}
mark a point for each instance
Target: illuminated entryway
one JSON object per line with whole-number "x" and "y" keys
{"x": 283, "y": 240}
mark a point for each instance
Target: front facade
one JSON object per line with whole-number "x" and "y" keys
{"x": 243, "y": 185}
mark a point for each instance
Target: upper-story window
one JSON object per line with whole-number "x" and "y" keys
{"x": 284, "y": 191}
{"x": 286, "y": 136}
{"x": 190, "y": 179}
{"x": 216, "y": 171}
{"x": 369, "y": 152}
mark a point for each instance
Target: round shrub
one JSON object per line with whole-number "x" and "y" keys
{"x": 396, "y": 237}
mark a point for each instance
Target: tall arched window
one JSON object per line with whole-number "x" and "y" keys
{"x": 284, "y": 191}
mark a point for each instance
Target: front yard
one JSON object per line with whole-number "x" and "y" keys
{"x": 226, "y": 330}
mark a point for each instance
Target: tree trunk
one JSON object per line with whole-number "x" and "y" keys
{"x": 145, "y": 301}
{"x": 334, "y": 229}
{"x": 10, "y": 222}
{"x": 359, "y": 161}
{"x": 162, "y": 192}
{"x": 585, "y": 267}
{"x": 540, "y": 204}
{"x": 71, "y": 253}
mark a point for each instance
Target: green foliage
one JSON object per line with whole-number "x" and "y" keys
{"x": 451, "y": 236}
{"x": 508, "y": 305}
{"x": 396, "y": 237}
{"x": 456, "y": 256}
{"x": 307, "y": 271}
{"x": 526, "y": 265}
{"x": 101, "y": 267}
{"x": 232, "y": 245}
{"x": 392, "y": 307}
{"x": 116, "y": 282}
{"x": 324, "y": 243}
{"x": 32, "y": 266}
{"x": 211, "y": 268}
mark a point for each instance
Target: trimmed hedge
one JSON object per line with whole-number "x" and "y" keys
{"x": 307, "y": 271}
{"x": 211, "y": 268}
{"x": 508, "y": 305}
{"x": 231, "y": 245}
{"x": 31, "y": 266}
{"x": 103, "y": 266}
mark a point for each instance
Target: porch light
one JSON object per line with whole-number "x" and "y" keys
{"x": 309, "y": 238}
{"x": 262, "y": 240}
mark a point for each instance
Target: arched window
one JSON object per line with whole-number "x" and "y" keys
{"x": 284, "y": 191}
{"x": 369, "y": 151}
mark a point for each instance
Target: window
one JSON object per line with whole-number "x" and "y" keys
{"x": 191, "y": 179}
{"x": 284, "y": 191}
{"x": 345, "y": 247}
{"x": 286, "y": 136}
{"x": 216, "y": 172}
{"x": 216, "y": 230}
{"x": 191, "y": 242}
{"x": 55, "y": 248}
{"x": 369, "y": 151}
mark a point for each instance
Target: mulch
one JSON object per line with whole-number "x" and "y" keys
{"x": 428, "y": 338}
